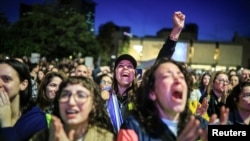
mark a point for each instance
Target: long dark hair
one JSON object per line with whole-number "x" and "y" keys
{"x": 26, "y": 100}
{"x": 202, "y": 87}
{"x": 146, "y": 111}
{"x": 129, "y": 91}
{"x": 42, "y": 100}
{"x": 211, "y": 83}
{"x": 234, "y": 96}
{"x": 98, "y": 116}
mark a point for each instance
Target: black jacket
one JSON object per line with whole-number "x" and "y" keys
{"x": 214, "y": 105}
{"x": 131, "y": 123}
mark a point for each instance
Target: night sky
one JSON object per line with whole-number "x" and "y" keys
{"x": 217, "y": 20}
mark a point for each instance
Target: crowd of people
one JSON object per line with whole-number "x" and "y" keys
{"x": 55, "y": 102}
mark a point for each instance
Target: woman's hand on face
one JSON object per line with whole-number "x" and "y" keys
{"x": 5, "y": 110}
{"x": 57, "y": 132}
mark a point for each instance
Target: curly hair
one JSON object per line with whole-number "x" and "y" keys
{"x": 145, "y": 109}
{"x": 98, "y": 116}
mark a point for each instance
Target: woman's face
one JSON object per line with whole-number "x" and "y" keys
{"x": 75, "y": 104}
{"x": 170, "y": 90}
{"x": 106, "y": 82}
{"x": 81, "y": 70}
{"x": 9, "y": 81}
{"x": 125, "y": 73}
{"x": 234, "y": 80}
{"x": 206, "y": 80}
{"x": 220, "y": 84}
{"x": 52, "y": 87}
{"x": 244, "y": 99}
{"x": 40, "y": 75}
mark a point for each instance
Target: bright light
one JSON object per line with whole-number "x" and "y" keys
{"x": 128, "y": 34}
{"x": 70, "y": 57}
{"x": 138, "y": 48}
{"x": 180, "y": 53}
{"x": 112, "y": 56}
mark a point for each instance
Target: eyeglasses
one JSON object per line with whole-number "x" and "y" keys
{"x": 106, "y": 82}
{"x": 221, "y": 81}
{"x": 129, "y": 66}
{"x": 79, "y": 97}
{"x": 245, "y": 95}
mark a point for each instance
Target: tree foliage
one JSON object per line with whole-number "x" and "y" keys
{"x": 4, "y": 35}
{"x": 112, "y": 40}
{"x": 52, "y": 32}
{"x": 105, "y": 39}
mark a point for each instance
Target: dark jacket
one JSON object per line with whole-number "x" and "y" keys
{"x": 235, "y": 118}
{"x": 214, "y": 105}
{"x": 167, "y": 49}
{"x": 132, "y": 124}
{"x": 135, "y": 130}
{"x": 26, "y": 126}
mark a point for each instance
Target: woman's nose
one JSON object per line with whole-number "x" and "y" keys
{"x": 176, "y": 79}
{"x": 125, "y": 67}
{"x": 72, "y": 99}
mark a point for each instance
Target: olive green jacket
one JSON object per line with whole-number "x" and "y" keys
{"x": 94, "y": 134}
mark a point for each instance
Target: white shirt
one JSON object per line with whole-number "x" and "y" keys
{"x": 172, "y": 125}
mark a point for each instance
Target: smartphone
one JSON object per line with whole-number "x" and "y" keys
{"x": 139, "y": 73}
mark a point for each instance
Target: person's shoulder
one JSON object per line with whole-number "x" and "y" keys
{"x": 131, "y": 118}
{"x": 100, "y": 129}
{"x": 98, "y": 133}
{"x": 36, "y": 109}
{"x": 130, "y": 122}
{"x": 35, "y": 113}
